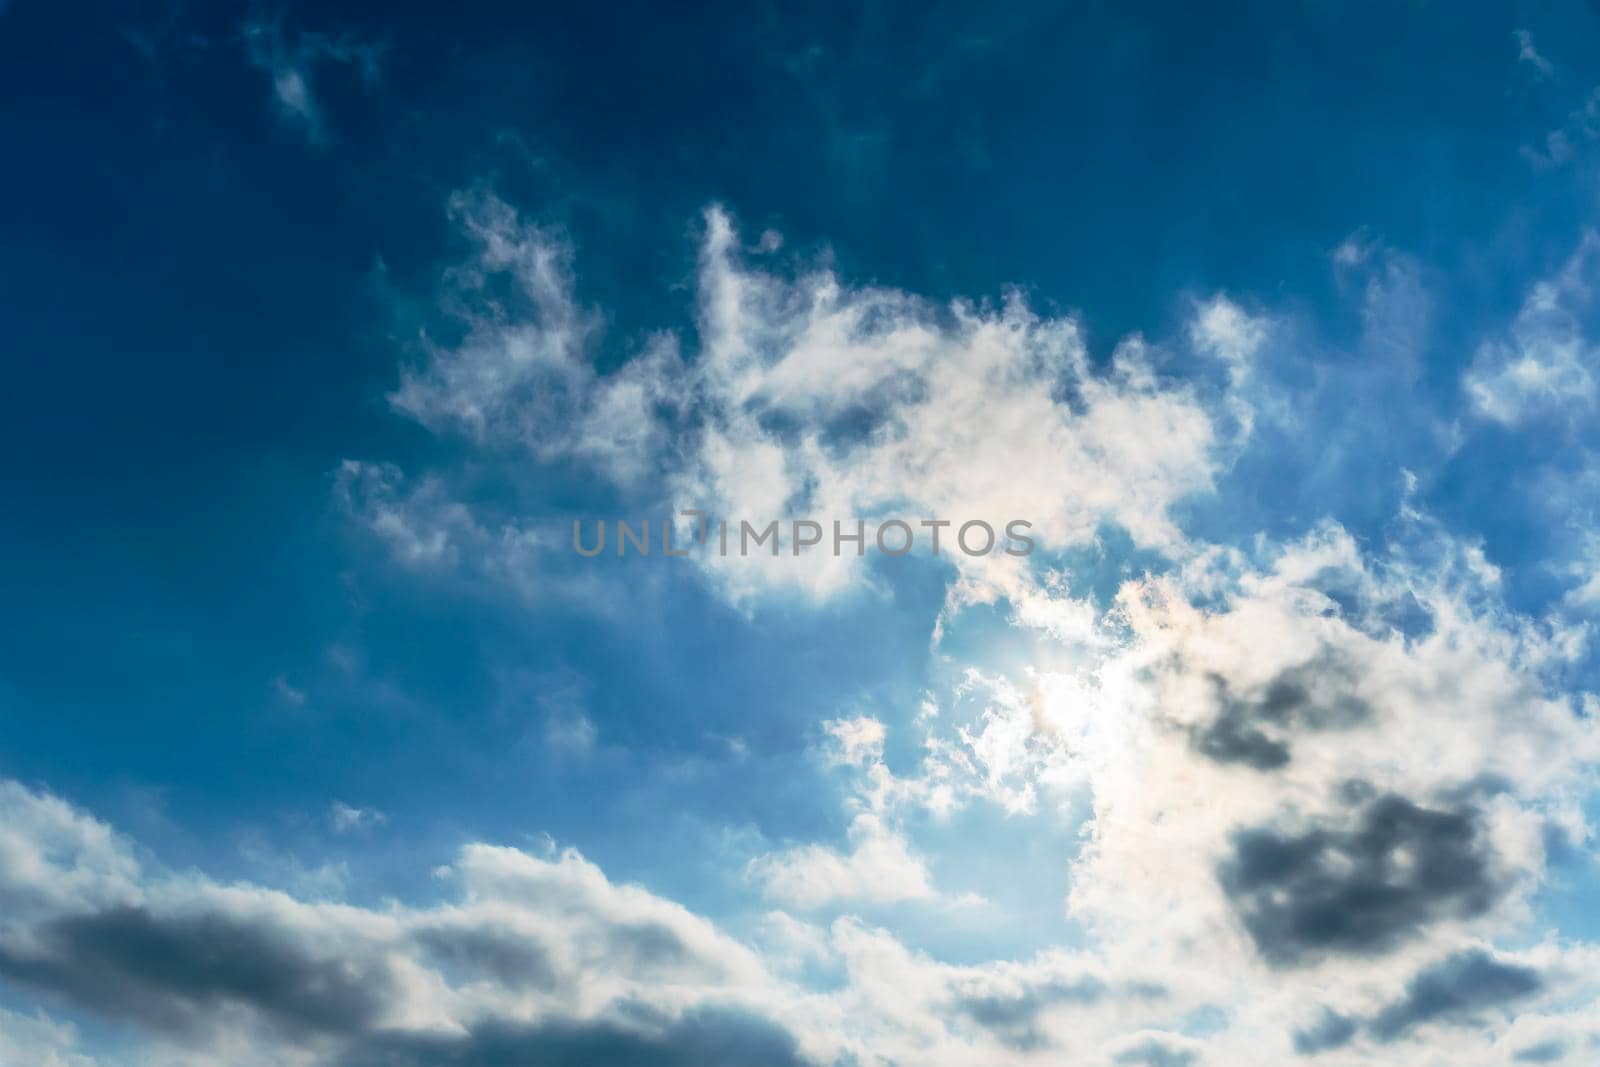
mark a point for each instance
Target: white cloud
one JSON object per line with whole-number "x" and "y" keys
{"x": 530, "y": 943}
{"x": 421, "y": 527}
{"x": 524, "y": 373}
{"x": 347, "y": 818}
{"x": 528, "y": 952}
{"x": 810, "y": 397}
{"x": 1586, "y": 571}
{"x": 859, "y": 740}
{"x": 1264, "y": 712}
{"x": 879, "y": 866}
{"x": 39, "y": 1041}
{"x": 968, "y": 412}
{"x": 1316, "y": 773}
{"x": 1324, "y": 700}
{"x": 1220, "y": 326}
{"x": 1545, "y": 365}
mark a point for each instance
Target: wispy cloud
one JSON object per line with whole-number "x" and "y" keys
{"x": 347, "y": 818}
{"x": 1546, "y": 363}
{"x": 290, "y": 58}
{"x": 1527, "y": 53}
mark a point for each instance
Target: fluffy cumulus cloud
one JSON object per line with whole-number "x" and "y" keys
{"x": 543, "y": 959}
{"x": 808, "y": 397}
{"x": 1322, "y": 787}
{"x": 531, "y": 959}
{"x": 534, "y": 959}
{"x": 1342, "y": 777}
{"x": 1346, "y": 772}
{"x": 38, "y": 1039}
{"x": 1317, "y": 781}
{"x": 1278, "y": 745}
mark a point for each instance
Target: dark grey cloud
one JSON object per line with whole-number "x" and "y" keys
{"x": 519, "y": 961}
{"x": 173, "y": 973}
{"x": 1331, "y": 1031}
{"x": 1456, "y": 991}
{"x": 1543, "y": 1052}
{"x": 1253, "y": 729}
{"x": 1153, "y": 1053}
{"x": 512, "y": 959}
{"x": 1362, "y": 890}
{"x": 1235, "y": 736}
{"x": 711, "y": 1037}
{"x": 1013, "y": 1018}
{"x": 187, "y": 975}
{"x": 647, "y": 946}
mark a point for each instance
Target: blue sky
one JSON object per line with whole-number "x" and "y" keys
{"x": 319, "y": 744}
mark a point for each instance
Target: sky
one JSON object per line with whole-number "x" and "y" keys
{"x": 332, "y": 333}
